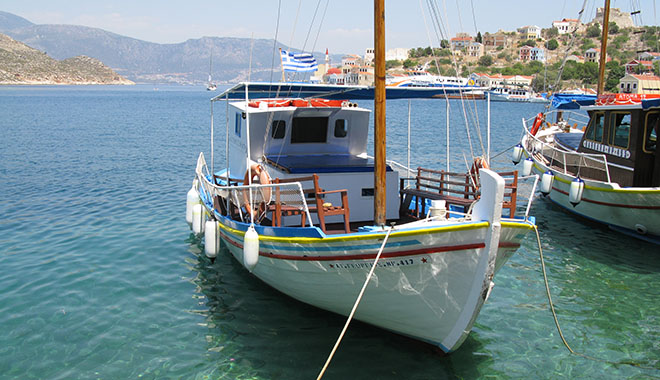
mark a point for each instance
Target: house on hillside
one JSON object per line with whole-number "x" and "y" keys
{"x": 351, "y": 60}
{"x": 537, "y": 54}
{"x": 497, "y": 39}
{"x": 639, "y": 84}
{"x": 361, "y": 76}
{"x": 524, "y": 53}
{"x": 460, "y": 42}
{"x": 475, "y": 49}
{"x": 648, "y": 56}
{"x": 369, "y": 55}
{"x": 592, "y": 55}
{"x": 530, "y": 32}
{"x": 567, "y": 25}
{"x": 499, "y": 80}
{"x": 634, "y": 65}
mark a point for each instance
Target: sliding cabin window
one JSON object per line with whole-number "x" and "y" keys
{"x": 620, "y": 129}
{"x": 309, "y": 130}
{"x": 237, "y": 126}
{"x": 595, "y": 131}
{"x": 651, "y": 129}
{"x": 277, "y": 129}
{"x": 341, "y": 128}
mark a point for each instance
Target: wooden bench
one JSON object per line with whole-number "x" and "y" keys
{"x": 454, "y": 188}
{"x": 320, "y": 207}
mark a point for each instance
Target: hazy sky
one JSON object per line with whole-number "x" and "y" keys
{"x": 346, "y": 28}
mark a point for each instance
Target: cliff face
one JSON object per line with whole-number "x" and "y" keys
{"x": 21, "y": 64}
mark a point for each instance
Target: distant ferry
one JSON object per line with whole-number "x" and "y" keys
{"x": 421, "y": 78}
{"x": 505, "y": 94}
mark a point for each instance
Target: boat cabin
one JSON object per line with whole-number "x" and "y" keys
{"x": 627, "y": 136}
{"x": 298, "y": 138}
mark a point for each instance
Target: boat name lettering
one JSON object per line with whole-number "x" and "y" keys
{"x": 613, "y": 151}
{"x": 380, "y": 264}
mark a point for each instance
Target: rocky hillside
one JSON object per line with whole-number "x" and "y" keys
{"x": 21, "y": 64}
{"x": 147, "y": 62}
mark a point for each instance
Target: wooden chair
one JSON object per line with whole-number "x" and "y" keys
{"x": 510, "y": 192}
{"x": 320, "y": 207}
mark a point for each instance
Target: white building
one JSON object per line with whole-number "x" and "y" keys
{"x": 399, "y": 54}
{"x": 369, "y": 55}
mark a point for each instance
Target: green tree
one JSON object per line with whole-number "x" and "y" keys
{"x": 551, "y": 33}
{"x": 553, "y": 44}
{"x": 530, "y": 43}
{"x": 444, "y": 44}
{"x": 408, "y": 63}
{"x": 428, "y": 51}
{"x": 615, "y": 71}
{"x": 656, "y": 68}
{"x": 392, "y": 63}
{"x": 478, "y": 39}
{"x": 594, "y": 30}
{"x": 485, "y": 60}
{"x": 613, "y": 28}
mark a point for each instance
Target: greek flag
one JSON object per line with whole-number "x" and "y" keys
{"x": 298, "y": 62}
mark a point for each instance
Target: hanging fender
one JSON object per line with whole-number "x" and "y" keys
{"x": 537, "y": 124}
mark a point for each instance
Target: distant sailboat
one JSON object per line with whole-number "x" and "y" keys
{"x": 211, "y": 86}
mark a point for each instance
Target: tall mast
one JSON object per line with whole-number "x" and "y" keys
{"x": 379, "y": 114}
{"x": 603, "y": 48}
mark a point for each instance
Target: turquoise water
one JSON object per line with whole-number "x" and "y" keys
{"x": 101, "y": 278}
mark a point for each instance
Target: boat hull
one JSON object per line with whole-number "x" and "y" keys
{"x": 429, "y": 284}
{"x": 629, "y": 210}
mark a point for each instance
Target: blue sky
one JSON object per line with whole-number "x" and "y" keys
{"x": 347, "y": 25}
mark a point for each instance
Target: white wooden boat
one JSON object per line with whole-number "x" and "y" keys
{"x": 610, "y": 173}
{"x": 435, "y": 272}
{"x": 300, "y": 203}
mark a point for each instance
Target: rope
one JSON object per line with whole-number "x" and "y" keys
{"x": 554, "y": 316}
{"x": 357, "y": 302}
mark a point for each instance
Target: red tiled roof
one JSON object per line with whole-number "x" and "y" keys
{"x": 646, "y": 77}
{"x": 334, "y": 70}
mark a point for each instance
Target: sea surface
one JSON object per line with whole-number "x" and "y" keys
{"x": 101, "y": 278}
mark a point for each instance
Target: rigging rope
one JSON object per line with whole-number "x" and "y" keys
{"x": 554, "y": 316}
{"x": 357, "y": 302}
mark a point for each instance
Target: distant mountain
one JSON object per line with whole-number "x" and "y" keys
{"x": 141, "y": 61}
{"x": 21, "y": 64}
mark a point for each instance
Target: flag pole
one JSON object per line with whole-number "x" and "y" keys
{"x": 282, "y": 65}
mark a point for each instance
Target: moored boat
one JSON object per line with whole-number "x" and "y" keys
{"x": 607, "y": 169}
{"x": 300, "y": 203}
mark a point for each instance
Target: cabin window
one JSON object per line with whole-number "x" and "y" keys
{"x": 341, "y": 128}
{"x": 278, "y": 129}
{"x": 595, "y": 131}
{"x": 619, "y": 130}
{"x": 237, "y": 126}
{"x": 651, "y": 132}
{"x": 309, "y": 130}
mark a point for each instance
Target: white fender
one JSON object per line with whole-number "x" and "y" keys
{"x": 211, "y": 239}
{"x": 250, "y": 248}
{"x": 528, "y": 164}
{"x": 575, "y": 193}
{"x": 546, "y": 182}
{"x": 198, "y": 218}
{"x": 516, "y": 155}
{"x": 191, "y": 199}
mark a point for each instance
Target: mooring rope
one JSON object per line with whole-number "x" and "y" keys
{"x": 357, "y": 302}
{"x": 554, "y": 315}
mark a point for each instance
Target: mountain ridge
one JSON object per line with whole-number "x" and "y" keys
{"x": 148, "y": 62}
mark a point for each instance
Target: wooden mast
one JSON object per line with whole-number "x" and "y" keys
{"x": 379, "y": 114}
{"x": 603, "y": 49}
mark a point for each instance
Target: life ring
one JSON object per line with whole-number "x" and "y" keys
{"x": 479, "y": 163}
{"x": 537, "y": 124}
{"x": 252, "y": 175}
